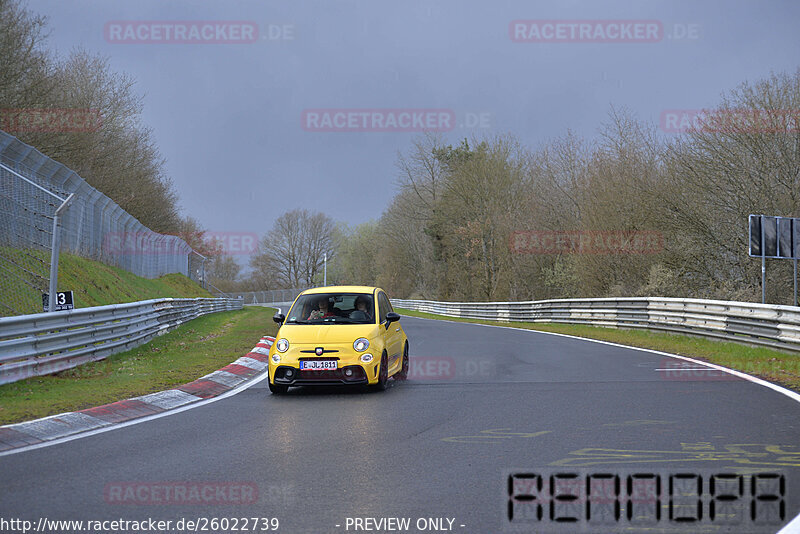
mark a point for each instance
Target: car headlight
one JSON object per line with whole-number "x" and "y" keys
{"x": 276, "y": 358}
{"x": 282, "y": 345}
{"x": 366, "y": 357}
{"x": 361, "y": 344}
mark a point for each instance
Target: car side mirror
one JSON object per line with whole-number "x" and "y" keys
{"x": 279, "y": 318}
{"x": 391, "y": 317}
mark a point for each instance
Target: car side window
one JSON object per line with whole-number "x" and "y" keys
{"x": 383, "y": 307}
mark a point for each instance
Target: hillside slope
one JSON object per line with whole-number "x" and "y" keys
{"x": 94, "y": 284}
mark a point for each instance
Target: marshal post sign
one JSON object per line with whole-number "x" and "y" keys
{"x": 63, "y": 301}
{"x": 774, "y": 237}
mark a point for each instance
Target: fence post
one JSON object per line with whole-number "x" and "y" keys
{"x": 51, "y": 305}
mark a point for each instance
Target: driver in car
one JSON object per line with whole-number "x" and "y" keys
{"x": 323, "y": 312}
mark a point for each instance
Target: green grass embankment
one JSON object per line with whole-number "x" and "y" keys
{"x": 93, "y": 283}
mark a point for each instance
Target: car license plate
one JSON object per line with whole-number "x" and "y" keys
{"x": 318, "y": 365}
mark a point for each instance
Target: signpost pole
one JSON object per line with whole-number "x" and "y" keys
{"x": 763, "y": 266}
{"x": 54, "y": 250}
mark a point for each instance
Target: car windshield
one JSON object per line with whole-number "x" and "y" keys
{"x": 333, "y": 308}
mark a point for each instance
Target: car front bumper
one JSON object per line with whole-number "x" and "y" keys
{"x": 287, "y": 375}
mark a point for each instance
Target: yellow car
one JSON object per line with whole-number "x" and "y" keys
{"x": 338, "y": 335}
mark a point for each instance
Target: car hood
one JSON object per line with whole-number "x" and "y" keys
{"x": 300, "y": 334}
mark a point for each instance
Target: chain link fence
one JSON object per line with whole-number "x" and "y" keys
{"x": 197, "y": 268}
{"x": 261, "y": 297}
{"x": 26, "y": 231}
{"x": 93, "y": 226}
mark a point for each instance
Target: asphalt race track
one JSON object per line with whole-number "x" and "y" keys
{"x": 486, "y": 408}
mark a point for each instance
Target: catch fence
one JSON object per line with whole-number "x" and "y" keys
{"x": 92, "y": 226}
{"x": 272, "y": 296}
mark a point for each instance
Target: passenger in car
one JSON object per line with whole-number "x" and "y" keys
{"x": 362, "y": 305}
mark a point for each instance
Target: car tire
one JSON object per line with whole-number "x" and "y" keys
{"x": 402, "y": 374}
{"x": 277, "y": 389}
{"x": 383, "y": 373}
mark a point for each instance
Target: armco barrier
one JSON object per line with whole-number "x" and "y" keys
{"x": 44, "y": 343}
{"x": 761, "y": 324}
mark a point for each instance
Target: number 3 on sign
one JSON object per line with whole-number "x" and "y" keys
{"x": 63, "y": 301}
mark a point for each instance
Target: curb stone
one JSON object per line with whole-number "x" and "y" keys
{"x": 212, "y": 385}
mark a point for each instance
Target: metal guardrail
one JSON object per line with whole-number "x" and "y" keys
{"x": 44, "y": 343}
{"x": 761, "y": 324}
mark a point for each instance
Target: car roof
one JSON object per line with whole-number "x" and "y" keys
{"x": 341, "y": 289}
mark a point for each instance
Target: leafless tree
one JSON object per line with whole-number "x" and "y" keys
{"x": 456, "y": 207}
{"x": 116, "y": 154}
{"x": 295, "y": 247}
{"x": 223, "y": 272}
{"x": 26, "y": 68}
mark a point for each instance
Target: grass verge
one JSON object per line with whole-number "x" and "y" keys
{"x": 776, "y": 366}
{"x": 192, "y": 350}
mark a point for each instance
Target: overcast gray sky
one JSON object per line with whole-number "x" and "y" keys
{"x": 228, "y": 116}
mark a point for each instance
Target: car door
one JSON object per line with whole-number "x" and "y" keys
{"x": 393, "y": 335}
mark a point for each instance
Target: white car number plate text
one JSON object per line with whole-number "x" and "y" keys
{"x": 318, "y": 365}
